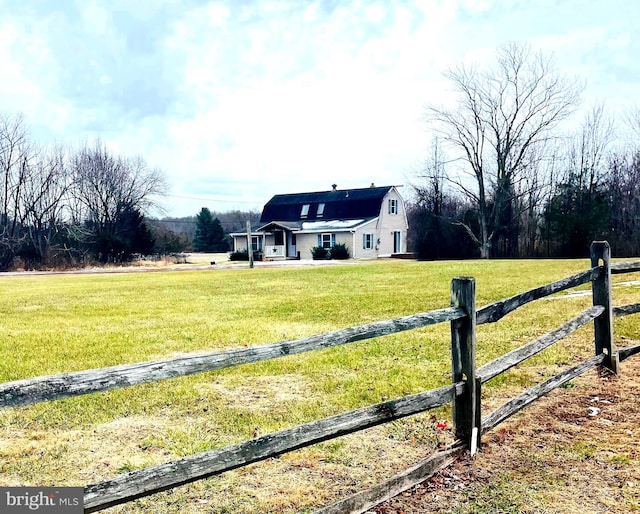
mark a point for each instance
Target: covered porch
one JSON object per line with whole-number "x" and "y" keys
{"x": 280, "y": 241}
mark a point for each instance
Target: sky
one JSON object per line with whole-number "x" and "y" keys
{"x": 238, "y": 100}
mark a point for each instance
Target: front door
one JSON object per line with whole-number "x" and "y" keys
{"x": 291, "y": 247}
{"x": 397, "y": 242}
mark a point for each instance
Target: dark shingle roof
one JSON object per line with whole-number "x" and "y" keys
{"x": 338, "y": 204}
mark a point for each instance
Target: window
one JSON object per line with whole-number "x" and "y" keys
{"x": 367, "y": 241}
{"x": 256, "y": 243}
{"x": 326, "y": 240}
{"x": 320, "y": 212}
{"x": 305, "y": 211}
{"x": 393, "y": 206}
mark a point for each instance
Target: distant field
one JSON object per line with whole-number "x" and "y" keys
{"x": 59, "y": 323}
{"x": 207, "y": 258}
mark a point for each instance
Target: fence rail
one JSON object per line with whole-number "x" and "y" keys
{"x": 133, "y": 485}
{"x": 53, "y": 387}
{"x": 626, "y": 310}
{"x": 518, "y": 403}
{"x": 497, "y": 310}
{"x": 511, "y": 359}
{"x": 625, "y": 267}
{"x": 464, "y": 392}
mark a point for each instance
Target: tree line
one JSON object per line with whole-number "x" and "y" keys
{"x": 69, "y": 207}
{"x": 208, "y": 231}
{"x": 513, "y": 173}
{"x": 61, "y": 206}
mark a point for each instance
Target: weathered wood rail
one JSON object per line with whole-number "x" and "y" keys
{"x": 464, "y": 391}
{"x": 162, "y": 477}
{"x": 53, "y": 387}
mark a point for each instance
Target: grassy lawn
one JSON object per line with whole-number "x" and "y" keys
{"x": 60, "y": 323}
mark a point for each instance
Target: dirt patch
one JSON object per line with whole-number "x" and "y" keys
{"x": 262, "y": 392}
{"x": 574, "y": 451}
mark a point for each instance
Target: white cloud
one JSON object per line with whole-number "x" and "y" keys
{"x": 95, "y": 16}
{"x": 309, "y": 129}
{"x": 22, "y": 91}
{"x": 240, "y": 101}
{"x": 218, "y": 15}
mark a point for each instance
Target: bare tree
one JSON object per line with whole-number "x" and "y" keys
{"x": 429, "y": 190}
{"x": 622, "y": 185}
{"x": 15, "y": 162}
{"x": 104, "y": 184}
{"x": 579, "y": 207}
{"x": 430, "y": 183}
{"x": 502, "y": 115}
{"x": 632, "y": 121}
{"x": 44, "y": 201}
{"x": 589, "y": 147}
{"x": 107, "y": 190}
{"x": 533, "y": 189}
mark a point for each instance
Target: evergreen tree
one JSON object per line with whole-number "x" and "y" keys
{"x": 574, "y": 217}
{"x": 209, "y": 236}
{"x": 219, "y": 240}
{"x": 127, "y": 235}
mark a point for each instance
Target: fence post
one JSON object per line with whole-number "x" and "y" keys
{"x": 466, "y": 407}
{"x": 601, "y": 288}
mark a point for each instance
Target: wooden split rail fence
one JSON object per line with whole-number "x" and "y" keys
{"x": 464, "y": 391}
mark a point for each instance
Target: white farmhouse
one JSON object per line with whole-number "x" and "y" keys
{"x": 371, "y": 222}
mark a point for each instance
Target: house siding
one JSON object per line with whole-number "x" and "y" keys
{"x": 305, "y": 242}
{"x": 346, "y": 238}
{"x": 389, "y": 223}
{"x": 358, "y": 251}
{"x": 240, "y": 243}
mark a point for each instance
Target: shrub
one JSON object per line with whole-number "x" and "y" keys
{"x": 319, "y": 253}
{"x": 242, "y": 255}
{"x": 340, "y": 251}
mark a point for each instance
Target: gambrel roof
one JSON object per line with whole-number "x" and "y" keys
{"x": 337, "y": 204}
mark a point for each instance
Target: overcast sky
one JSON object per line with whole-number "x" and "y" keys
{"x": 238, "y": 100}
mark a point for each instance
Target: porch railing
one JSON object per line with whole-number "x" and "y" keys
{"x": 274, "y": 251}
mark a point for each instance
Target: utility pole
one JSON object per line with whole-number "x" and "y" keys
{"x": 249, "y": 247}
